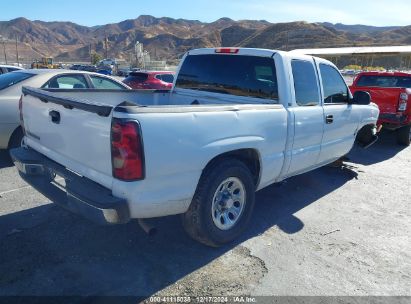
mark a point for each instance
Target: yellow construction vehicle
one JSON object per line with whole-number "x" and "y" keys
{"x": 44, "y": 63}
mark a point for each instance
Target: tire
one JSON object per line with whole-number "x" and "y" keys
{"x": 365, "y": 135}
{"x": 403, "y": 136}
{"x": 16, "y": 139}
{"x": 206, "y": 220}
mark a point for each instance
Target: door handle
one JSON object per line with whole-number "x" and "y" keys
{"x": 329, "y": 119}
{"x": 55, "y": 117}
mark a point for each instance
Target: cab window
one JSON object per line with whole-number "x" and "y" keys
{"x": 66, "y": 82}
{"x": 335, "y": 89}
{"x": 305, "y": 83}
{"x": 105, "y": 84}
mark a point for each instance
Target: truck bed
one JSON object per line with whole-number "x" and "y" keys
{"x": 178, "y": 140}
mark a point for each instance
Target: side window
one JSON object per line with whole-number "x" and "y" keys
{"x": 305, "y": 83}
{"x": 105, "y": 84}
{"x": 67, "y": 82}
{"x": 167, "y": 78}
{"x": 335, "y": 89}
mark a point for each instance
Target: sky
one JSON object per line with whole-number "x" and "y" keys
{"x": 99, "y": 12}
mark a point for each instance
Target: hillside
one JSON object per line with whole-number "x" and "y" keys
{"x": 169, "y": 38}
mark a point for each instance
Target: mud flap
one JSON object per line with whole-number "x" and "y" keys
{"x": 373, "y": 140}
{"x": 367, "y": 136}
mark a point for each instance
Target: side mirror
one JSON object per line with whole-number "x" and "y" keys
{"x": 361, "y": 98}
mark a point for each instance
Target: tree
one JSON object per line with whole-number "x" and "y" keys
{"x": 353, "y": 67}
{"x": 96, "y": 58}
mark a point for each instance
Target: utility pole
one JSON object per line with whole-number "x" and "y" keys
{"x": 106, "y": 45}
{"x": 287, "y": 40}
{"x": 3, "y": 40}
{"x": 17, "y": 52}
{"x": 139, "y": 49}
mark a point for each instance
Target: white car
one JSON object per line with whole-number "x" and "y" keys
{"x": 10, "y": 91}
{"x": 236, "y": 121}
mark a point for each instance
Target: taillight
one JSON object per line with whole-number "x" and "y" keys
{"x": 402, "y": 103}
{"x": 126, "y": 150}
{"x": 21, "y": 113}
{"x": 227, "y": 50}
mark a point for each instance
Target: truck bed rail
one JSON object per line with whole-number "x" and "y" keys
{"x": 67, "y": 102}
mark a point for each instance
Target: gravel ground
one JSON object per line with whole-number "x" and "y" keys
{"x": 331, "y": 232}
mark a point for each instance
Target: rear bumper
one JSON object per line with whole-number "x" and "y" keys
{"x": 393, "y": 120}
{"x": 79, "y": 194}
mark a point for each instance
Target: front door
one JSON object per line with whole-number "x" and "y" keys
{"x": 341, "y": 122}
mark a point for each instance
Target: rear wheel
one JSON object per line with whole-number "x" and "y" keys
{"x": 222, "y": 205}
{"x": 403, "y": 135}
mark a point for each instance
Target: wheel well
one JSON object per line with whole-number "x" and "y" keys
{"x": 365, "y": 134}
{"x": 250, "y": 157}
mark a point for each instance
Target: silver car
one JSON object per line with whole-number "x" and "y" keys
{"x": 11, "y": 133}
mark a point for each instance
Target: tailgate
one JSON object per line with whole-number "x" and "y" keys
{"x": 72, "y": 132}
{"x": 385, "y": 98}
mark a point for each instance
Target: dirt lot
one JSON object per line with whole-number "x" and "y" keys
{"x": 334, "y": 231}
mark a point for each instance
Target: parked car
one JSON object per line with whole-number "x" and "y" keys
{"x": 236, "y": 121}
{"x": 9, "y": 68}
{"x": 10, "y": 91}
{"x": 105, "y": 71}
{"x": 392, "y": 93}
{"x": 75, "y": 67}
{"x": 123, "y": 72}
{"x": 160, "y": 80}
{"x": 87, "y": 68}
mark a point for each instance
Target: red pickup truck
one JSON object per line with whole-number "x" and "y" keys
{"x": 391, "y": 92}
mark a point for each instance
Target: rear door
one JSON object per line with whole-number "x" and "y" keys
{"x": 308, "y": 115}
{"x": 341, "y": 121}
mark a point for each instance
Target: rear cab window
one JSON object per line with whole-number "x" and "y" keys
{"x": 9, "y": 79}
{"x": 239, "y": 75}
{"x": 384, "y": 81}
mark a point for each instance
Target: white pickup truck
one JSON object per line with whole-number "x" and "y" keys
{"x": 236, "y": 121}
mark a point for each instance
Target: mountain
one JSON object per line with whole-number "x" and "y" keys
{"x": 359, "y": 28}
{"x": 168, "y": 38}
